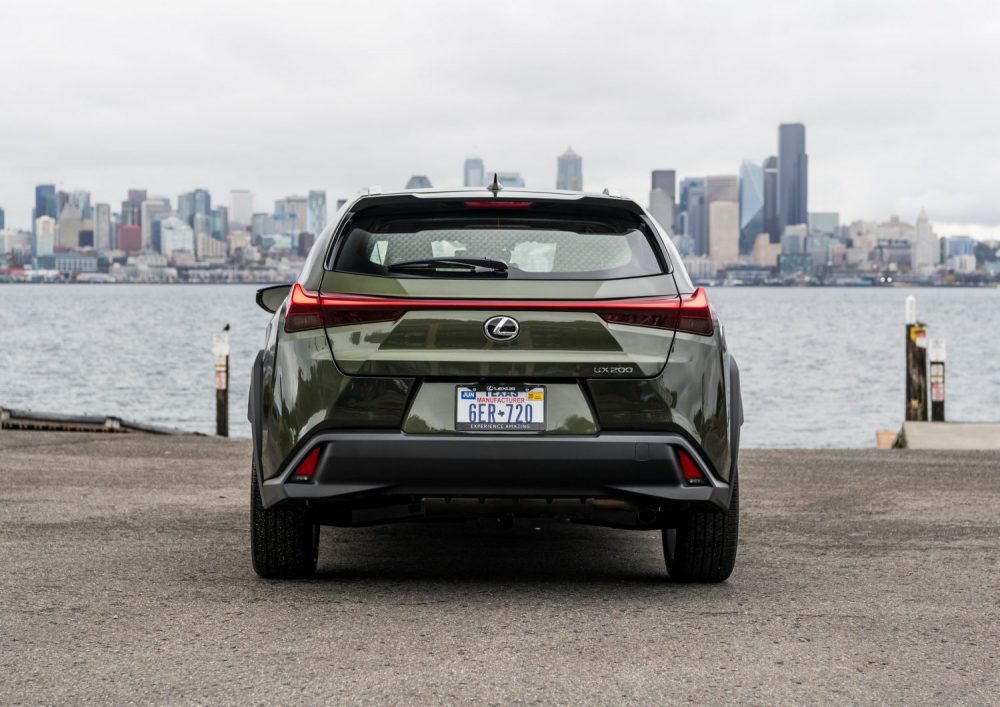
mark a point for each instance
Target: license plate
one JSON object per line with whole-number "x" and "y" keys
{"x": 500, "y": 408}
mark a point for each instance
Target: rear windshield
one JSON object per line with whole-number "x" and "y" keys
{"x": 512, "y": 246}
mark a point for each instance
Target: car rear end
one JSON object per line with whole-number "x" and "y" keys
{"x": 516, "y": 354}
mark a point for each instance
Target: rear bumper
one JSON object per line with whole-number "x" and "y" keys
{"x": 626, "y": 466}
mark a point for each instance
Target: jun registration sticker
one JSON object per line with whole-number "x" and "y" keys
{"x": 500, "y": 408}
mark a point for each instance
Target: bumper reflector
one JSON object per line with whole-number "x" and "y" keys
{"x": 692, "y": 474}
{"x": 307, "y": 467}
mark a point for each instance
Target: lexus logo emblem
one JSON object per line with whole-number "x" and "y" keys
{"x": 501, "y": 328}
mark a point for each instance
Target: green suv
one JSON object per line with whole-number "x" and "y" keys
{"x": 497, "y": 353}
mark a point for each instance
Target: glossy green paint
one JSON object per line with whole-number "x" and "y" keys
{"x": 566, "y": 410}
{"x": 689, "y": 396}
{"x": 303, "y": 390}
{"x": 452, "y": 343}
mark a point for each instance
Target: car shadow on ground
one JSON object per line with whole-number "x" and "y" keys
{"x": 531, "y": 552}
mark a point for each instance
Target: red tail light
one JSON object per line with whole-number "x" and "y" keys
{"x": 311, "y": 310}
{"x": 307, "y": 467}
{"x": 499, "y": 204}
{"x": 690, "y": 314}
{"x": 692, "y": 474}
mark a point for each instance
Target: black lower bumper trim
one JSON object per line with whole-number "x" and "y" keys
{"x": 640, "y": 466}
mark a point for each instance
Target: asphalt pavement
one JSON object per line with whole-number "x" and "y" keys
{"x": 862, "y": 577}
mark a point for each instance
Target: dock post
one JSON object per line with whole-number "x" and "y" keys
{"x": 936, "y": 353}
{"x": 916, "y": 364}
{"x": 220, "y": 354}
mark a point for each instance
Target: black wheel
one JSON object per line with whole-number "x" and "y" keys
{"x": 284, "y": 542}
{"x": 702, "y": 546}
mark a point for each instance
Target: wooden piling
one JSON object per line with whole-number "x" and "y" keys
{"x": 220, "y": 354}
{"x": 936, "y": 352}
{"x": 916, "y": 364}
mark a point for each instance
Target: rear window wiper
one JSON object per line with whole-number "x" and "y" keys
{"x": 469, "y": 265}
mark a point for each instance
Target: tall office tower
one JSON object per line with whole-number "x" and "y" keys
{"x": 474, "y": 174}
{"x": 220, "y": 223}
{"x": 294, "y": 214}
{"x": 203, "y": 202}
{"x": 662, "y": 197}
{"x": 132, "y": 207}
{"x": 720, "y": 188}
{"x": 241, "y": 207}
{"x": 926, "y": 253}
{"x": 176, "y": 235}
{"x": 751, "y": 205}
{"x": 45, "y": 235}
{"x": 569, "y": 171}
{"x": 62, "y": 198}
{"x": 418, "y": 181}
{"x": 70, "y": 225}
{"x": 793, "y": 175}
{"x": 317, "y": 212}
{"x": 185, "y": 207}
{"x": 202, "y": 224}
{"x": 772, "y": 227}
{"x": 102, "y": 227}
{"x": 693, "y": 214}
{"x": 724, "y": 232}
{"x": 45, "y": 202}
{"x": 2, "y": 220}
{"x": 262, "y": 224}
{"x": 81, "y": 200}
{"x": 149, "y": 209}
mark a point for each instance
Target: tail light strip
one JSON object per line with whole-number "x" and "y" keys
{"x": 311, "y": 310}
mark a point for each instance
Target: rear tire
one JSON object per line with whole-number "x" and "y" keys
{"x": 284, "y": 542}
{"x": 702, "y": 546}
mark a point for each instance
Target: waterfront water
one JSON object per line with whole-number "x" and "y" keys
{"x": 821, "y": 367}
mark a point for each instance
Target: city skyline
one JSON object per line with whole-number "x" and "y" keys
{"x": 230, "y": 104}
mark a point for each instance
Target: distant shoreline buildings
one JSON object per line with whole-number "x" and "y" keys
{"x": 752, "y": 227}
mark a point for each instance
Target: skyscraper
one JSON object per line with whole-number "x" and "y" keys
{"x": 150, "y": 209}
{"x": 176, "y": 235}
{"x": 45, "y": 202}
{"x": 294, "y": 212}
{"x": 220, "y": 223}
{"x": 724, "y": 232}
{"x": 569, "y": 171}
{"x": 474, "y": 174}
{"x": 722, "y": 188}
{"x": 317, "y": 212}
{"x": 751, "y": 205}
{"x": 241, "y": 207}
{"x": 102, "y": 227}
{"x": 81, "y": 200}
{"x": 185, "y": 207}
{"x": 926, "y": 253}
{"x": 2, "y": 220}
{"x": 202, "y": 202}
{"x": 419, "y": 181}
{"x": 693, "y": 216}
{"x": 45, "y": 234}
{"x": 132, "y": 207}
{"x": 771, "y": 225}
{"x": 793, "y": 175}
{"x": 662, "y": 197}
{"x": 69, "y": 227}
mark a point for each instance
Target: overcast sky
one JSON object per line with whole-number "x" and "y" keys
{"x": 900, "y": 99}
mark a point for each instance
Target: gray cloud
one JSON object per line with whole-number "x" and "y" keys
{"x": 283, "y": 97}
